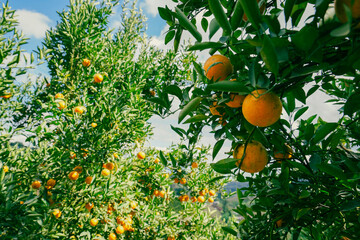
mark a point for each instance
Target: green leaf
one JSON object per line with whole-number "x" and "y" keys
{"x": 252, "y": 11}
{"x": 299, "y": 166}
{"x": 341, "y": 31}
{"x": 301, "y": 213}
{"x": 350, "y": 205}
{"x": 217, "y": 147}
{"x": 192, "y": 105}
{"x": 173, "y": 160}
{"x": 204, "y": 24}
{"x": 169, "y": 36}
{"x": 165, "y": 13}
{"x": 332, "y": 170}
{"x": 174, "y": 90}
{"x": 177, "y": 39}
{"x": 215, "y": 179}
{"x": 352, "y": 104}
{"x": 289, "y": 4}
{"x": 230, "y": 230}
{"x": 300, "y": 112}
{"x": 315, "y": 160}
{"x": 162, "y": 158}
{"x": 229, "y": 86}
{"x": 269, "y": 56}
{"x": 184, "y": 22}
{"x": 159, "y": 101}
{"x": 224, "y": 166}
{"x": 196, "y": 118}
{"x": 214, "y": 27}
{"x": 220, "y": 16}
{"x": 236, "y": 16}
{"x": 323, "y": 131}
{"x": 305, "y": 38}
{"x": 206, "y": 45}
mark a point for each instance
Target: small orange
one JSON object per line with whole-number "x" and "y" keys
{"x": 79, "y": 169}
{"x": 88, "y": 180}
{"x": 176, "y": 180}
{"x": 171, "y": 237}
{"x": 94, "y": 125}
{"x": 162, "y": 193}
{"x": 51, "y": 182}
{"x": 156, "y": 193}
{"x": 74, "y": 175}
{"x": 185, "y": 198}
{"x": 152, "y": 93}
{"x": 194, "y": 165}
{"x": 61, "y": 105}
{"x": 212, "y": 193}
{"x": 110, "y": 166}
{"x": 5, "y": 168}
{"x": 48, "y": 85}
{"x": 6, "y": 96}
{"x": 105, "y": 172}
{"x": 89, "y": 206}
{"x": 202, "y": 192}
{"x": 156, "y": 161}
{"x": 255, "y": 158}
{"x": 36, "y": 185}
{"x": 21, "y": 202}
{"x": 86, "y": 62}
{"x": 112, "y": 236}
{"x": 211, "y": 199}
{"x": 201, "y": 199}
{"x": 116, "y": 155}
{"x": 120, "y": 229}
{"x": 141, "y": 155}
{"x": 218, "y": 67}
{"x": 79, "y": 109}
{"x": 59, "y": 95}
{"x": 214, "y": 111}
{"x": 133, "y": 204}
{"x": 193, "y": 199}
{"x": 284, "y": 154}
{"x": 94, "y": 222}
{"x": 236, "y": 100}
{"x": 72, "y": 155}
{"x": 57, "y": 213}
{"x": 183, "y": 181}
{"x": 98, "y": 78}
{"x": 279, "y": 222}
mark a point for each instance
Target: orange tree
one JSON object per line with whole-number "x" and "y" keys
{"x": 85, "y": 173}
{"x": 306, "y": 169}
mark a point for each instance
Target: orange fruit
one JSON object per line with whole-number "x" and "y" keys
{"x": 171, "y": 238}
{"x": 193, "y": 199}
{"x": 72, "y": 155}
{"x": 166, "y": 175}
{"x": 141, "y": 155}
{"x": 156, "y": 161}
{"x": 185, "y": 198}
{"x": 120, "y": 229}
{"x": 88, "y": 180}
{"x": 98, "y": 78}
{"x": 255, "y": 157}
{"x": 133, "y": 204}
{"x": 283, "y": 154}
{"x": 86, "y": 62}
{"x": 48, "y": 85}
{"x": 116, "y": 155}
{"x": 211, "y": 199}
{"x": 59, "y": 95}
{"x": 61, "y": 105}
{"x": 152, "y": 93}
{"x": 262, "y": 9}
{"x": 79, "y": 169}
{"x": 212, "y": 193}
{"x": 74, "y": 175}
{"x": 156, "y": 193}
{"x": 236, "y": 100}
{"x": 105, "y": 172}
{"x": 183, "y": 181}
{"x": 6, "y": 96}
{"x": 202, "y": 192}
{"x": 176, "y": 180}
{"x": 112, "y": 236}
{"x": 79, "y": 109}
{"x": 57, "y": 213}
{"x": 5, "y": 168}
{"x": 194, "y": 165}
{"x": 218, "y": 67}
{"x": 110, "y": 166}
{"x": 214, "y": 111}
{"x": 340, "y": 10}
{"x": 162, "y": 193}
{"x": 51, "y": 182}
{"x": 262, "y": 109}
{"x": 36, "y": 185}
{"x": 94, "y": 222}
{"x": 94, "y": 125}
{"x": 279, "y": 222}
{"x": 21, "y": 202}
{"x": 201, "y": 199}
{"x": 89, "y": 206}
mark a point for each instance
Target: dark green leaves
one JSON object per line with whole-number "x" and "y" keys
{"x": 224, "y": 166}
{"x": 352, "y": 105}
{"x": 268, "y": 54}
{"x": 220, "y": 16}
{"x": 217, "y": 147}
{"x": 323, "y": 131}
{"x": 252, "y": 12}
{"x": 305, "y": 38}
{"x": 206, "y": 45}
{"x": 184, "y": 22}
{"x": 192, "y": 105}
{"x": 332, "y": 170}
{"x": 229, "y": 86}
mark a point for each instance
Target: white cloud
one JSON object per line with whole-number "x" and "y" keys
{"x": 151, "y": 6}
{"x": 33, "y": 23}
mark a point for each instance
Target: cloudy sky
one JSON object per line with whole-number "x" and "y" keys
{"x": 37, "y": 16}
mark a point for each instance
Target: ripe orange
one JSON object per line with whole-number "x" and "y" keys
{"x": 51, "y": 182}
{"x": 89, "y": 206}
{"x": 156, "y": 161}
{"x": 105, "y": 172}
{"x": 79, "y": 169}
{"x": 236, "y": 100}
{"x": 202, "y": 192}
{"x": 183, "y": 181}
{"x": 340, "y": 10}
{"x": 133, "y": 204}
{"x": 98, "y": 78}
{"x": 152, "y": 93}
{"x": 5, "y": 168}
{"x": 6, "y": 96}
{"x": 94, "y": 222}
{"x": 214, "y": 111}
{"x": 59, "y": 95}
{"x": 262, "y": 109}
{"x": 72, "y": 155}
{"x": 61, "y": 105}
{"x": 185, "y": 198}
{"x": 255, "y": 157}
{"x": 74, "y": 175}
{"x": 284, "y": 153}
{"x": 36, "y": 185}
{"x": 21, "y": 202}
{"x": 86, "y": 62}
{"x": 112, "y": 236}
{"x": 156, "y": 193}
{"x": 171, "y": 238}
{"x": 279, "y": 222}
{"x": 211, "y": 199}
{"x": 94, "y": 125}
{"x": 79, "y": 109}
{"x": 193, "y": 199}
{"x": 218, "y": 67}
{"x": 57, "y": 213}
{"x": 201, "y": 199}
{"x": 120, "y": 229}
{"x": 88, "y": 180}
{"x": 141, "y": 155}
{"x": 162, "y": 193}
{"x": 176, "y": 180}
{"x": 116, "y": 155}
{"x": 110, "y": 166}
{"x": 262, "y": 9}
{"x": 194, "y": 165}
{"x": 212, "y": 193}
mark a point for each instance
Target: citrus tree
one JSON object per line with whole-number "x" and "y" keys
{"x": 85, "y": 173}
{"x": 253, "y": 91}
